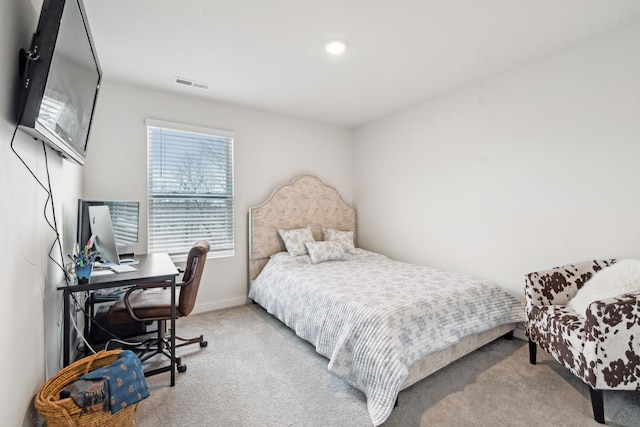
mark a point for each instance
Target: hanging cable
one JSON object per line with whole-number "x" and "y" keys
{"x": 52, "y": 224}
{"x": 81, "y": 335}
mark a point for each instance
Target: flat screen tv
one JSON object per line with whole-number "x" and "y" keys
{"x": 60, "y": 79}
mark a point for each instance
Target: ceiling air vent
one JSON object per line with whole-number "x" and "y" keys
{"x": 187, "y": 82}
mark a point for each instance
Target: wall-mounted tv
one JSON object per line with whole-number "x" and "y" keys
{"x": 60, "y": 79}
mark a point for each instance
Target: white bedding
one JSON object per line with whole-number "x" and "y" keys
{"x": 373, "y": 317}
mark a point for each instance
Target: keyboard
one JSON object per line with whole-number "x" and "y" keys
{"x": 122, "y": 268}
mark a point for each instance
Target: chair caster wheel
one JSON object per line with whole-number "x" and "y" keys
{"x": 181, "y": 368}
{"x": 204, "y": 344}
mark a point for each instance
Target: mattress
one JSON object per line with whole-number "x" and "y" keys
{"x": 375, "y": 318}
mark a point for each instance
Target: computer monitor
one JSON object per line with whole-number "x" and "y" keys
{"x": 102, "y": 230}
{"x": 124, "y": 220}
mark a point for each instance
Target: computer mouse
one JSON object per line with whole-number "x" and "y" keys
{"x": 97, "y": 264}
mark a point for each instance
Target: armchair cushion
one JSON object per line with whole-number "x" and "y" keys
{"x": 621, "y": 278}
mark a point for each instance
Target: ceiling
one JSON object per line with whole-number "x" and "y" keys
{"x": 268, "y": 54}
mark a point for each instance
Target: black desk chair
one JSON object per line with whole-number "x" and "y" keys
{"x": 152, "y": 302}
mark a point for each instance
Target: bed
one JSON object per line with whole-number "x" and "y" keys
{"x": 383, "y": 324}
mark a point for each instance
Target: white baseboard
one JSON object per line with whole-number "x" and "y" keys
{"x": 217, "y": 305}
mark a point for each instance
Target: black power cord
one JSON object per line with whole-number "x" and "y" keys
{"x": 25, "y": 59}
{"x": 57, "y": 240}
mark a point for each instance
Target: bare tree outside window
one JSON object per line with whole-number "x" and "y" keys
{"x": 190, "y": 189}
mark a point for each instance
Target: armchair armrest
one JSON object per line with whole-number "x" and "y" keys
{"x": 153, "y": 285}
{"x": 142, "y": 287}
{"x": 556, "y": 286}
{"x": 612, "y": 342}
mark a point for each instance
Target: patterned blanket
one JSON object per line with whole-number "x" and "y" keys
{"x": 373, "y": 317}
{"x": 112, "y": 387}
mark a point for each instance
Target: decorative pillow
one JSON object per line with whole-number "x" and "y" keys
{"x": 325, "y": 251}
{"x": 623, "y": 277}
{"x": 345, "y": 238}
{"x": 295, "y": 239}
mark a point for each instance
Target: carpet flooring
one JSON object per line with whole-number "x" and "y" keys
{"x": 257, "y": 372}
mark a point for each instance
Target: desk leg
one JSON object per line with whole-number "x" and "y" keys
{"x": 66, "y": 333}
{"x": 173, "y": 332}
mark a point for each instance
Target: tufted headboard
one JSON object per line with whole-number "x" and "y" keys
{"x": 305, "y": 201}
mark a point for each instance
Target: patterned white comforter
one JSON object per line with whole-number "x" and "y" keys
{"x": 373, "y": 317}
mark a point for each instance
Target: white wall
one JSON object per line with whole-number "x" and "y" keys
{"x": 30, "y": 305}
{"x": 527, "y": 170}
{"x": 270, "y": 149}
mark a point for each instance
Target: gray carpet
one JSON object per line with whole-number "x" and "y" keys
{"x": 257, "y": 372}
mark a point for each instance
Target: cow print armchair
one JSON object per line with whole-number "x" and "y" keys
{"x": 600, "y": 346}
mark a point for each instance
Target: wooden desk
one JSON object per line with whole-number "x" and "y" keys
{"x": 151, "y": 268}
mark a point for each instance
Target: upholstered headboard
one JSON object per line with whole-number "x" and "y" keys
{"x": 305, "y": 201}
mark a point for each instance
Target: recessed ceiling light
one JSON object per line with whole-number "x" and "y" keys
{"x": 336, "y": 46}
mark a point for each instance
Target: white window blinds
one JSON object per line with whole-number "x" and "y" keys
{"x": 124, "y": 219}
{"x": 190, "y": 172}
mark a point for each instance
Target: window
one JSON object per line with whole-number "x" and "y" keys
{"x": 124, "y": 219}
{"x": 190, "y": 173}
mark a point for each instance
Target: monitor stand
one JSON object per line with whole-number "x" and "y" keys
{"x": 128, "y": 258}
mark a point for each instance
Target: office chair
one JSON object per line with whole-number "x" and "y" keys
{"x": 152, "y": 302}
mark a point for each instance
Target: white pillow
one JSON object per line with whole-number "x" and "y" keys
{"x": 345, "y": 238}
{"x": 295, "y": 239}
{"x": 623, "y": 277}
{"x": 325, "y": 251}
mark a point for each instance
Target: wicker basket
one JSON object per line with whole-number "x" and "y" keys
{"x": 64, "y": 412}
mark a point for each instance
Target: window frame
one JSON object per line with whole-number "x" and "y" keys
{"x": 192, "y": 129}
